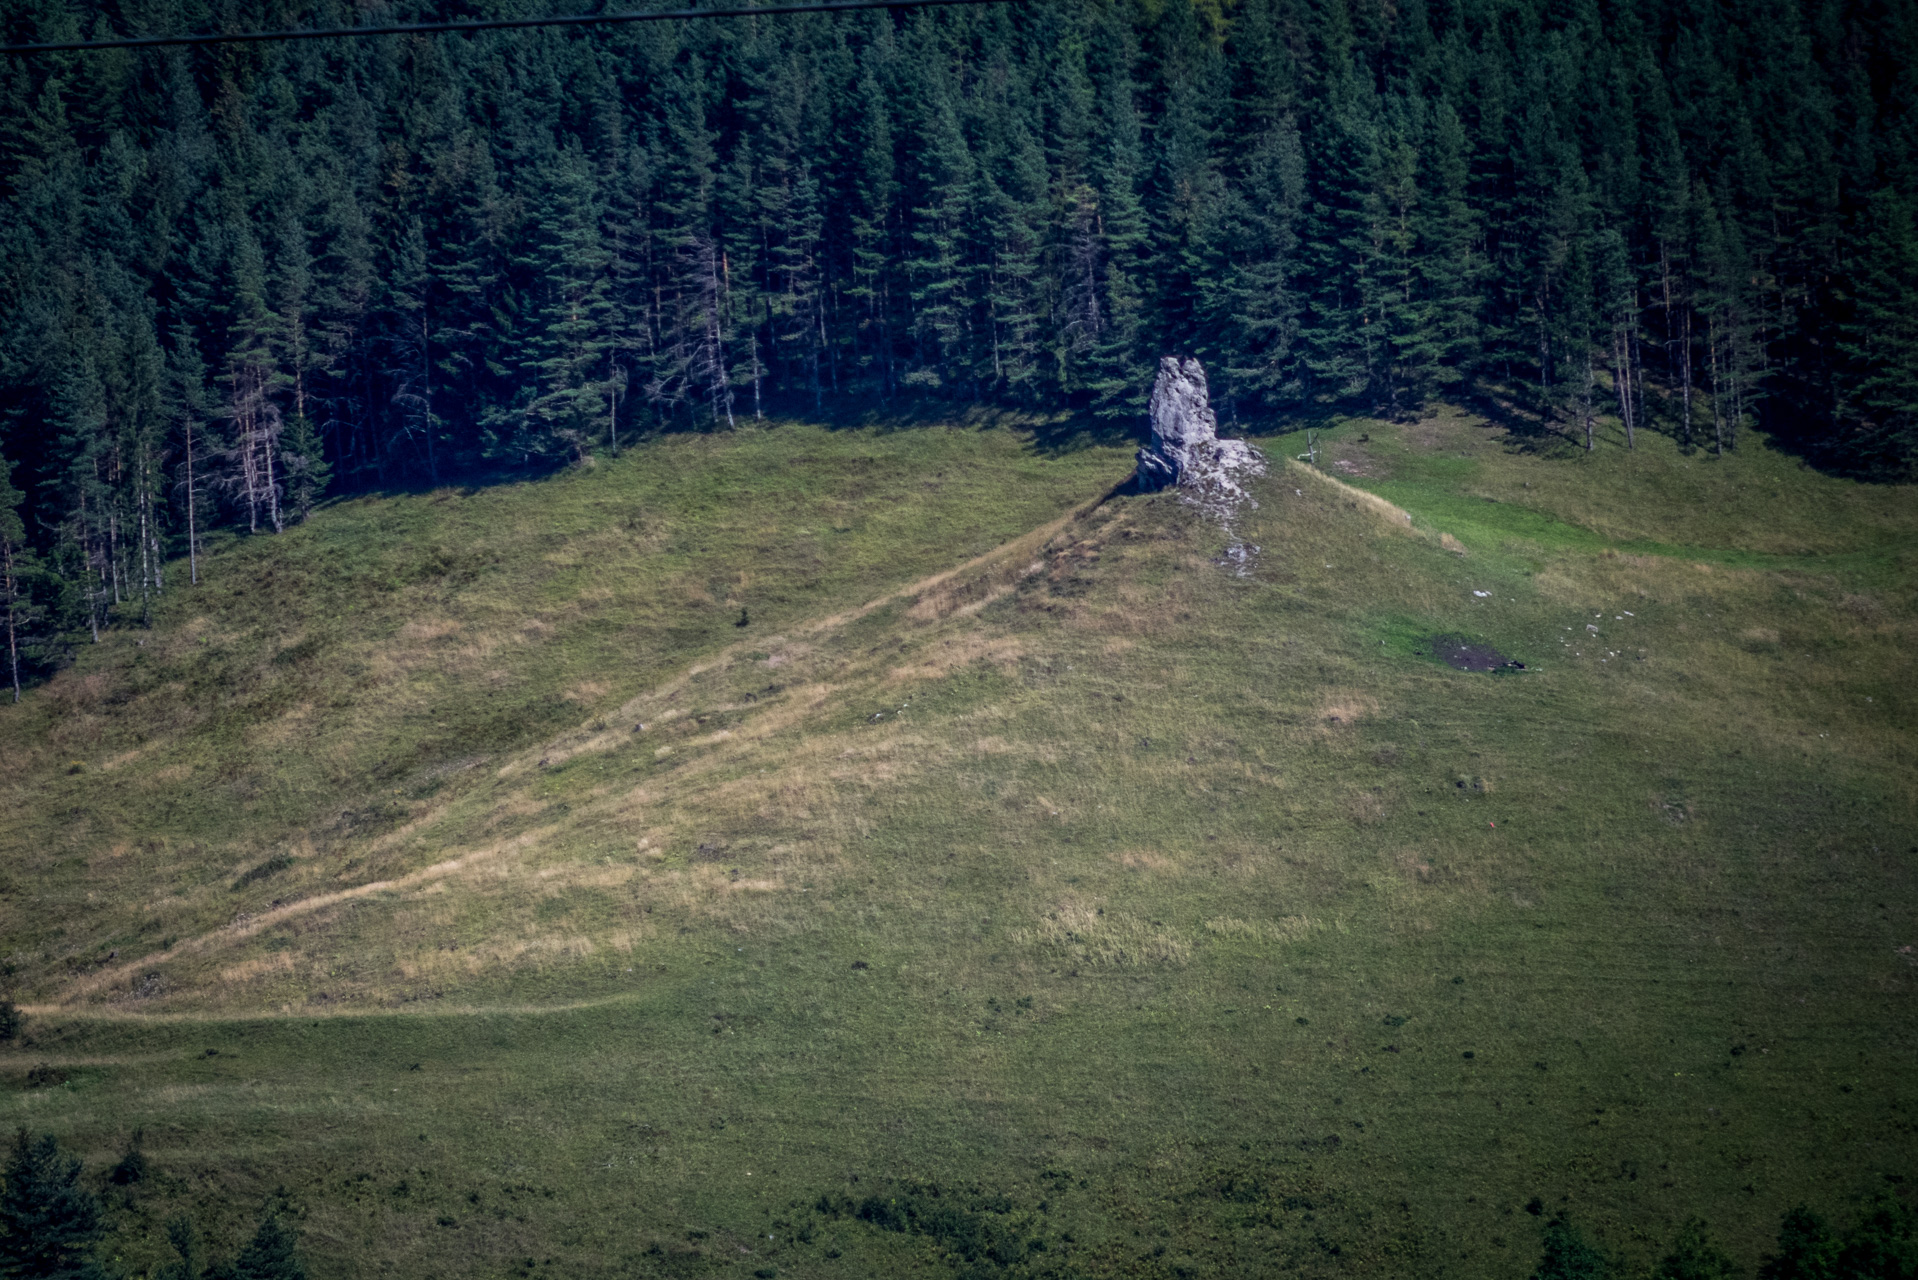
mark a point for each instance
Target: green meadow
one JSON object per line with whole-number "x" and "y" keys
{"x": 858, "y": 852}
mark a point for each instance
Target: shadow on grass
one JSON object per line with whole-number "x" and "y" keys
{"x": 1793, "y": 425}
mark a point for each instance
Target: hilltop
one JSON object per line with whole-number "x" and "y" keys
{"x": 828, "y": 851}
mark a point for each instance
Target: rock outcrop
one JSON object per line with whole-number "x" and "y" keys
{"x": 1186, "y": 450}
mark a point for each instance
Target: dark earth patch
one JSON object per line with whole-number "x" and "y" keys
{"x": 1467, "y": 655}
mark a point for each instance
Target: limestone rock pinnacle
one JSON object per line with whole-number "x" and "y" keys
{"x": 1186, "y": 450}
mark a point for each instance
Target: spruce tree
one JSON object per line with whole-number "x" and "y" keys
{"x": 188, "y": 1262}
{"x": 49, "y": 1223}
{"x": 1568, "y": 1255}
{"x": 1258, "y": 304}
{"x": 1807, "y": 1249}
{"x": 1884, "y": 1244}
{"x": 872, "y": 224}
{"x": 272, "y": 1253}
{"x": 1880, "y": 339}
{"x": 570, "y": 394}
{"x": 1695, "y": 1257}
{"x": 1340, "y": 328}
{"x": 1118, "y": 367}
{"x": 941, "y": 269}
{"x": 1452, "y": 260}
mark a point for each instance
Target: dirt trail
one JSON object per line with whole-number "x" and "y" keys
{"x": 247, "y": 926}
{"x": 584, "y": 738}
{"x": 195, "y": 1017}
{"x": 1024, "y": 542}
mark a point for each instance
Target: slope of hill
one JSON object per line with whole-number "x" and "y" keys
{"x": 1018, "y": 891}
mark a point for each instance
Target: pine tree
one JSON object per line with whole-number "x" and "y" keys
{"x": 1118, "y": 365}
{"x": 1258, "y": 304}
{"x": 1407, "y": 343}
{"x": 1184, "y": 176}
{"x": 1880, "y": 340}
{"x": 940, "y": 269}
{"x": 873, "y": 224}
{"x": 1618, "y": 304}
{"x": 307, "y": 470}
{"x": 693, "y": 362}
{"x": 272, "y": 1253}
{"x": 188, "y": 1262}
{"x": 253, "y": 381}
{"x": 49, "y": 1223}
{"x": 630, "y": 247}
{"x": 1010, "y": 195}
{"x": 1452, "y": 255}
{"x": 1569, "y": 1256}
{"x": 571, "y": 401}
{"x": 1339, "y": 329}
{"x": 1807, "y": 1249}
{"x": 1695, "y": 1257}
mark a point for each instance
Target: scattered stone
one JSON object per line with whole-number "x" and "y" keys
{"x": 1238, "y": 557}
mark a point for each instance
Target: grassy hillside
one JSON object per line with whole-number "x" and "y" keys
{"x": 1018, "y": 891}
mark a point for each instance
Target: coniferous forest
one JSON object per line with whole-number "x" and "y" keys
{"x": 236, "y": 279}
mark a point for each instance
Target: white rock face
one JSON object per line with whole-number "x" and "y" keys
{"x": 1186, "y": 450}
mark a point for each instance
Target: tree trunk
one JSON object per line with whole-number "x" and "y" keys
{"x": 1585, "y": 401}
{"x": 1685, "y": 382}
{"x": 426, "y": 401}
{"x": 1718, "y": 414}
{"x": 272, "y": 488}
{"x": 1636, "y": 362}
{"x": 759, "y": 413}
{"x": 192, "y": 525}
{"x": 146, "y": 566}
{"x": 13, "y": 625}
{"x": 614, "y": 384}
{"x": 1622, "y": 380}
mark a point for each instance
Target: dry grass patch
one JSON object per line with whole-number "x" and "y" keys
{"x": 272, "y": 964}
{"x": 1366, "y": 808}
{"x": 1081, "y": 931}
{"x": 1343, "y": 710}
{"x": 1003, "y": 652}
{"x": 1283, "y": 929}
{"x": 1145, "y": 860}
{"x": 1394, "y": 516}
{"x": 426, "y": 630}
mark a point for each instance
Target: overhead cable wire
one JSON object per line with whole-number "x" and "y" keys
{"x": 485, "y": 24}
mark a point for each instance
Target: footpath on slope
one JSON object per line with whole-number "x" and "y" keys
{"x": 1011, "y": 558}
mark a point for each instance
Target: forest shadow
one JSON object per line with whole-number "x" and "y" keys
{"x": 1051, "y": 434}
{"x": 1796, "y": 427}
{"x": 1527, "y": 431}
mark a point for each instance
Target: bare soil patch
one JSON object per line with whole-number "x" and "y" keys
{"x": 1468, "y": 655}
